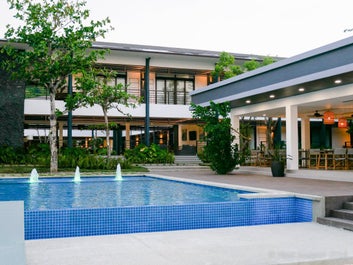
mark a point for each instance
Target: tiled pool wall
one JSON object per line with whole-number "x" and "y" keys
{"x": 104, "y": 221}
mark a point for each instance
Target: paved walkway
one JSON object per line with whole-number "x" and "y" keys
{"x": 303, "y": 181}
{"x": 299, "y": 243}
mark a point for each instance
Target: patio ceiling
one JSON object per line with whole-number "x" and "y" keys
{"x": 313, "y": 75}
{"x": 342, "y": 106}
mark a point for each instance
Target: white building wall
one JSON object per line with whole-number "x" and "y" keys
{"x": 41, "y": 107}
{"x": 160, "y": 60}
{"x": 339, "y": 136}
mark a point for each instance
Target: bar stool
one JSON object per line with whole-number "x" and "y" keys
{"x": 313, "y": 157}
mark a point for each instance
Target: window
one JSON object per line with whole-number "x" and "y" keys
{"x": 174, "y": 89}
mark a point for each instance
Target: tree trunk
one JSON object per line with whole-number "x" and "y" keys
{"x": 107, "y": 131}
{"x": 53, "y": 136}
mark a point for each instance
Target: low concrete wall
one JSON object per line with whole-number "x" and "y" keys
{"x": 336, "y": 203}
{"x": 12, "y": 243}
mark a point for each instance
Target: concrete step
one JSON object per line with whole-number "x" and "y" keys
{"x": 336, "y": 222}
{"x": 186, "y": 160}
{"x": 348, "y": 205}
{"x": 176, "y": 167}
{"x": 343, "y": 214}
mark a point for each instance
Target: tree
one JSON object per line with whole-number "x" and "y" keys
{"x": 57, "y": 36}
{"x": 220, "y": 149}
{"x": 226, "y": 66}
{"x": 97, "y": 86}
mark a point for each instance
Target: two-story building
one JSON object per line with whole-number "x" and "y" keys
{"x": 173, "y": 74}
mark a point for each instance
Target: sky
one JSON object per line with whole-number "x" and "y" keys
{"x": 260, "y": 27}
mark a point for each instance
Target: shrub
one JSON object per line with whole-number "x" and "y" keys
{"x": 153, "y": 154}
{"x": 39, "y": 156}
{"x": 220, "y": 150}
{"x": 72, "y": 157}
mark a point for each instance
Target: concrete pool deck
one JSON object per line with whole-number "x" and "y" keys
{"x": 298, "y": 243}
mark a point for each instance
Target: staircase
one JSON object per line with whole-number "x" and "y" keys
{"x": 187, "y": 160}
{"x": 342, "y": 218}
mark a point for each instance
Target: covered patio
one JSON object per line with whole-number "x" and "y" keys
{"x": 298, "y": 89}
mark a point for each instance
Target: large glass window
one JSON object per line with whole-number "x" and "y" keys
{"x": 174, "y": 89}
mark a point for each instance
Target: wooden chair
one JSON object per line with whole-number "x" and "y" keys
{"x": 304, "y": 158}
{"x": 349, "y": 157}
{"x": 252, "y": 159}
{"x": 314, "y": 155}
{"x": 339, "y": 158}
{"x": 264, "y": 159}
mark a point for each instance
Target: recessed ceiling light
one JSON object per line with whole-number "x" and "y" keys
{"x": 301, "y": 89}
{"x": 338, "y": 81}
{"x": 272, "y": 96}
{"x": 248, "y": 101}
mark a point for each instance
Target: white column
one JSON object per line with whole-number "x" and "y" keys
{"x": 236, "y": 127}
{"x": 305, "y": 132}
{"x": 292, "y": 137}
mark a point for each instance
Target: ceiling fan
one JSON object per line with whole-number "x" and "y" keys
{"x": 317, "y": 114}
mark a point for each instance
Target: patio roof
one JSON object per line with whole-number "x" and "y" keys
{"x": 313, "y": 72}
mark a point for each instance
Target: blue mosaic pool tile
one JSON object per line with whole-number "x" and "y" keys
{"x": 103, "y": 221}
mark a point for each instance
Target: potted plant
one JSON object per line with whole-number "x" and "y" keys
{"x": 277, "y": 163}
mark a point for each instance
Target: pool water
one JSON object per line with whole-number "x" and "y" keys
{"x": 103, "y": 192}
{"x": 60, "y": 207}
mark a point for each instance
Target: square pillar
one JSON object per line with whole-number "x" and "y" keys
{"x": 235, "y": 123}
{"x": 292, "y": 137}
{"x": 305, "y": 132}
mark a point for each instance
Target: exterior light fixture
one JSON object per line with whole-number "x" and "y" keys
{"x": 272, "y": 96}
{"x": 342, "y": 123}
{"x": 301, "y": 89}
{"x": 329, "y": 117}
{"x": 338, "y": 81}
{"x": 248, "y": 101}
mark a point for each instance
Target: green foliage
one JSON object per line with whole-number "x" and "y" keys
{"x": 220, "y": 150}
{"x": 267, "y": 60}
{"x": 277, "y": 154}
{"x": 39, "y": 156}
{"x": 72, "y": 157}
{"x": 11, "y": 155}
{"x": 143, "y": 154}
{"x": 251, "y": 65}
{"x": 350, "y": 127}
{"x": 244, "y": 137}
{"x": 35, "y": 155}
{"x": 35, "y": 91}
{"x": 97, "y": 86}
{"x": 56, "y": 37}
{"x": 226, "y": 66}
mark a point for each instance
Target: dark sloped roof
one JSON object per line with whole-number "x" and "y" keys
{"x": 170, "y": 50}
{"x": 284, "y": 76}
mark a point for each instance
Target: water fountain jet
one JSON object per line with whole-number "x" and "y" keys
{"x": 77, "y": 177}
{"x": 34, "y": 176}
{"x": 118, "y": 173}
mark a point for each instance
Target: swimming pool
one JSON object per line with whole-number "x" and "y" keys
{"x": 104, "y": 192}
{"x": 59, "y": 207}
